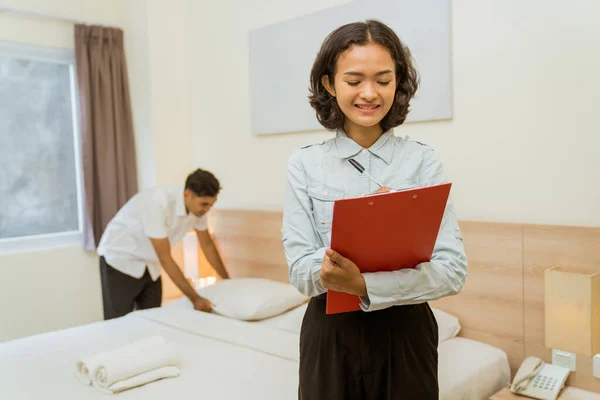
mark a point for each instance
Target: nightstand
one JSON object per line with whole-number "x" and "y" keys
{"x": 568, "y": 393}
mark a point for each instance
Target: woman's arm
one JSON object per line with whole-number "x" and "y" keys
{"x": 303, "y": 248}
{"x": 443, "y": 276}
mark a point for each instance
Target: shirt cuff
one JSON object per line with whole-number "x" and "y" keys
{"x": 315, "y": 271}
{"x": 379, "y": 286}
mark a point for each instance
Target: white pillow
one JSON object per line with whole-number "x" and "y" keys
{"x": 253, "y": 299}
{"x": 249, "y": 299}
{"x": 448, "y": 325}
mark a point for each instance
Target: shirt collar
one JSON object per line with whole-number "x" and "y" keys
{"x": 180, "y": 210}
{"x": 347, "y": 147}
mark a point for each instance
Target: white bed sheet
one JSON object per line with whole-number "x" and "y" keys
{"x": 471, "y": 370}
{"x": 219, "y": 359}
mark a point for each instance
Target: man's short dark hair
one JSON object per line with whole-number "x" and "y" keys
{"x": 203, "y": 183}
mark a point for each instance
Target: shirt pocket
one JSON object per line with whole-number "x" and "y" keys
{"x": 323, "y": 198}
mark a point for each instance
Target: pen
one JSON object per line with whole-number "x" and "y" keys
{"x": 361, "y": 169}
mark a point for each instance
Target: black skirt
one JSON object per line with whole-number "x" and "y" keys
{"x": 380, "y": 355}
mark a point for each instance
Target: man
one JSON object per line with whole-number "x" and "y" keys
{"x": 137, "y": 241}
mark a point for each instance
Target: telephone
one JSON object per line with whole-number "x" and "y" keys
{"x": 539, "y": 380}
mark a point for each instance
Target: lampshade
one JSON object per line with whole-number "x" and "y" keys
{"x": 190, "y": 256}
{"x": 572, "y": 309}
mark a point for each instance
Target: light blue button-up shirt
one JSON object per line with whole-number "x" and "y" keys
{"x": 320, "y": 174}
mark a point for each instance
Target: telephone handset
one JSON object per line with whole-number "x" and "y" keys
{"x": 539, "y": 380}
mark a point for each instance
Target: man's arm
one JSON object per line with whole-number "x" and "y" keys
{"x": 163, "y": 251}
{"x": 211, "y": 253}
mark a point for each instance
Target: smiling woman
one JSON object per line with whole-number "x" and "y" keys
{"x": 362, "y": 75}
{"x": 361, "y": 85}
{"x": 364, "y": 90}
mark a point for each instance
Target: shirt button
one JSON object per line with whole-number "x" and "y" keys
{"x": 324, "y": 193}
{"x": 364, "y": 152}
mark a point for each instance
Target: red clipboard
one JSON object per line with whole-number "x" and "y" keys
{"x": 385, "y": 232}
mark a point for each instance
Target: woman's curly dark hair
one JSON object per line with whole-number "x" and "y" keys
{"x": 340, "y": 40}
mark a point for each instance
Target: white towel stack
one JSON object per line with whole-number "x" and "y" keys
{"x": 136, "y": 364}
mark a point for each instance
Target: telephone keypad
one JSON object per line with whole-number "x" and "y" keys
{"x": 545, "y": 382}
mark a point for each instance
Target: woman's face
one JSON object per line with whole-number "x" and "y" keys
{"x": 364, "y": 85}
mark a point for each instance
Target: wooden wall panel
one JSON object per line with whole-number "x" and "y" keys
{"x": 545, "y": 246}
{"x": 250, "y": 243}
{"x": 502, "y": 302}
{"x": 490, "y": 306}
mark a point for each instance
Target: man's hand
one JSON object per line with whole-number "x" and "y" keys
{"x": 341, "y": 274}
{"x": 202, "y": 304}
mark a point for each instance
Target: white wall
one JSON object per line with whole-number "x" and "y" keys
{"x": 137, "y": 49}
{"x": 523, "y": 143}
{"x": 521, "y": 148}
{"x": 43, "y": 32}
{"x": 47, "y": 290}
{"x": 168, "y": 68}
{"x": 60, "y": 287}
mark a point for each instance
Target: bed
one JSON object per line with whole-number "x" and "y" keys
{"x": 251, "y": 356}
{"x": 221, "y": 358}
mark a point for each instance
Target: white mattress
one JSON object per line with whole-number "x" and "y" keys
{"x": 221, "y": 359}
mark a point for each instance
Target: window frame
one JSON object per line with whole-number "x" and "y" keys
{"x": 57, "y": 239}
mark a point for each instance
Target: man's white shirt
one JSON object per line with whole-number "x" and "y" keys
{"x": 155, "y": 213}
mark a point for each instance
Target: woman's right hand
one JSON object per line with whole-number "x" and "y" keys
{"x": 341, "y": 274}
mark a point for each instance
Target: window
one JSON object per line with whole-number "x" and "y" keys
{"x": 40, "y": 184}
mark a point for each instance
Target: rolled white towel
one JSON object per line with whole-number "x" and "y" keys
{"x": 138, "y": 363}
{"x": 86, "y": 367}
{"x": 127, "y": 364}
{"x": 142, "y": 379}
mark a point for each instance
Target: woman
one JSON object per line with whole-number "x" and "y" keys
{"x": 361, "y": 84}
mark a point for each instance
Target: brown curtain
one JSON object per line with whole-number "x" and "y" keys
{"x": 108, "y": 148}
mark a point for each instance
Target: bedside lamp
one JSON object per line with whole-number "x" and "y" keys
{"x": 191, "y": 263}
{"x": 190, "y": 256}
{"x": 572, "y": 311}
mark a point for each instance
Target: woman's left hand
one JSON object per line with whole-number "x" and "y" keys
{"x": 341, "y": 274}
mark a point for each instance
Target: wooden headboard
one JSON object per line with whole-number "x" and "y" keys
{"x": 502, "y": 302}
{"x": 250, "y": 243}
